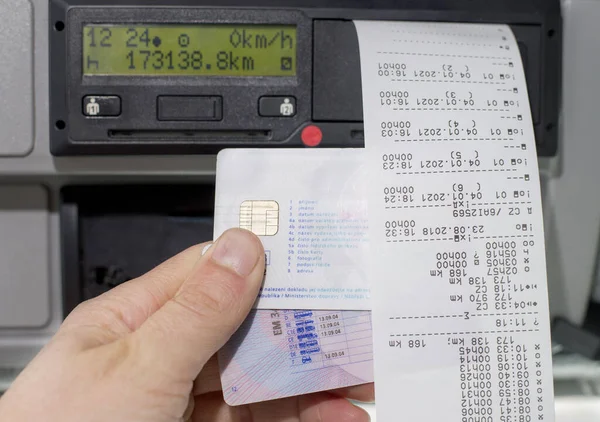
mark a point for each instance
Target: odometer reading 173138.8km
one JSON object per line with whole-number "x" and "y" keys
{"x": 210, "y": 50}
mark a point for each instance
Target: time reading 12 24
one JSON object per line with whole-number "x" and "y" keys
{"x": 199, "y": 50}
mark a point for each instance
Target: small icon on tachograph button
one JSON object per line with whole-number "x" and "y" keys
{"x": 287, "y": 108}
{"x": 92, "y": 108}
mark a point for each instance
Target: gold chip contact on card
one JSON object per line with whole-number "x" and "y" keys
{"x": 260, "y": 217}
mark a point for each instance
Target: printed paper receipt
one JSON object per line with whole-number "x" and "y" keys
{"x": 459, "y": 295}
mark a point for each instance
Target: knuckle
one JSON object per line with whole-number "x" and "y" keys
{"x": 216, "y": 296}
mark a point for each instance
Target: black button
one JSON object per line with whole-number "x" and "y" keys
{"x": 101, "y": 105}
{"x": 277, "y": 106}
{"x": 197, "y": 108}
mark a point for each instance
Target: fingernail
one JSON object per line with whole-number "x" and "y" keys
{"x": 238, "y": 250}
{"x": 206, "y": 248}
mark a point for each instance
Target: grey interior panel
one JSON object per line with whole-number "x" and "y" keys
{"x": 16, "y": 77}
{"x": 572, "y": 200}
{"x": 24, "y": 261}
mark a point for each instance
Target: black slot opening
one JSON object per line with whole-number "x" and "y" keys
{"x": 111, "y": 234}
{"x": 192, "y": 135}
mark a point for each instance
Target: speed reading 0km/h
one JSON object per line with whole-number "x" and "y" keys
{"x": 199, "y": 50}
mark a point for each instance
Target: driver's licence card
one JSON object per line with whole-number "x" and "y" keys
{"x": 278, "y": 354}
{"x": 308, "y": 208}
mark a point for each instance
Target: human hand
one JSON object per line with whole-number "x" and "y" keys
{"x": 144, "y": 351}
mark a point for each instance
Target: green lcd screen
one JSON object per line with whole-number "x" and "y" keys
{"x": 198, "y": 50}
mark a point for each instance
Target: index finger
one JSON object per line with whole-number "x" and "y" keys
{"x": 363, "y": 393}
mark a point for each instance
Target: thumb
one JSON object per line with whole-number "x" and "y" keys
{"x": 208, "y": 308}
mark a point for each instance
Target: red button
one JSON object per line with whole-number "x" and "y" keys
{"x": 311, "y": 136}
